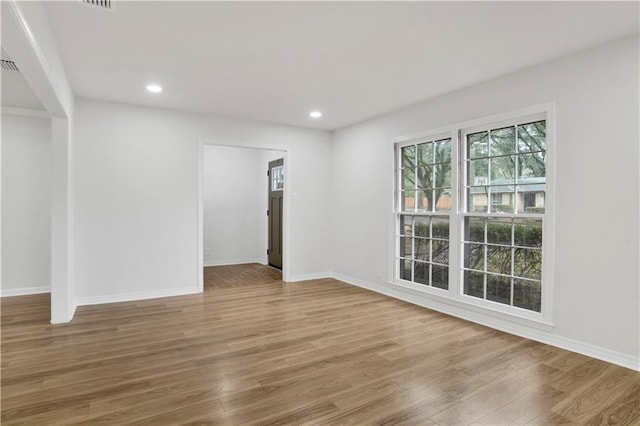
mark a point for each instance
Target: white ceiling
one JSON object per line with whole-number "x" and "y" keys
{"x": 275, "y": 61}
{"x": 15, "y": 92}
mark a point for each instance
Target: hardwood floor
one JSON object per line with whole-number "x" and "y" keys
{"x": 240, "y": 276}
{"x": 252, "y": 350}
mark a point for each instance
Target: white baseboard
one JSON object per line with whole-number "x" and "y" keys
{"x": 24, "y": 291}
{"x": 307, "y": 277}
{"x": 522, "y": 330}
{"x": 232, "y": 262}
{"x": 140, "y": 295}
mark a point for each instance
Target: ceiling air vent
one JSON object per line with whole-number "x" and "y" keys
{"x": 8, "y": 65}
{"x": 104, "y": 4}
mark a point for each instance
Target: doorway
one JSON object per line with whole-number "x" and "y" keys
{"x": 275, "y": 176}
{"x": 233, "y": 225}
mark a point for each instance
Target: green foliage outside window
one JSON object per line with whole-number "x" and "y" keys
{"x": 503, "y": 253}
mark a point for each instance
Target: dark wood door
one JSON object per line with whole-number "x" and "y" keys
{"x": 276, "y": 194}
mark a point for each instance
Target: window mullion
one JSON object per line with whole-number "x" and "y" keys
{"x": 431, "y": 251}
{"x": 434, "y": 151}
{"x": 516, "y": 169}
{"x": 413, "y": 248}
{"x": 415, "y": 184}
{"x": 513, "y": 254}
{"x": 489, "y": 163}
{"x": 458, "y": 172}
{"x": 484, "y": 260}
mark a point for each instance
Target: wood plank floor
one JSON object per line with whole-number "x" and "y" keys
{"x": 252, "y": 350}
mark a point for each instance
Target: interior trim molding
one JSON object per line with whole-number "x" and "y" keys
{"x": 140, "y": 295}
{"x": 539, "y": 335}
{"x": 25, "y": 291}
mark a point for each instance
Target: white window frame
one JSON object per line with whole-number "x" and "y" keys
{"x": 424, "y": 138}
{"x": 454, "y": 295}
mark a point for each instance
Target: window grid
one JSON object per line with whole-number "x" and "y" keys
{"x": 510, "y": 173}
{"x": 434, "y": 260}
{"x": 425, "y": 176}
{"x": 519, "y": 152}
{"x": 499, "y": 170}
{"x": 424, "y": 196}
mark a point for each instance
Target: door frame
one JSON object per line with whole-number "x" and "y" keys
{"x": 286, "y": 213}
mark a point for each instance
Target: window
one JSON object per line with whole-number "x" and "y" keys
{"x": 425, "y": 203}
{"x": 503, "y": 253}
{"x": 277, "y": 178}
{"x": 424, "y": 250}
{"x": 529, "y": 200}
{"x": 496, "y": 217}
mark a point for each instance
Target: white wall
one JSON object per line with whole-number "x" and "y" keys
{"x": 596, "y": 262}
{"x": 136, "y": 201}
{"x": 26, "y": 205}
{"x": 233, "y": 191}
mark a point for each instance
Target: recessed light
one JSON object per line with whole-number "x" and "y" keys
{"x": 154, "y": 88}
{"x": 315, "y": 114}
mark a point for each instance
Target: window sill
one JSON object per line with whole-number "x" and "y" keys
{"x": 438, "y": 299}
